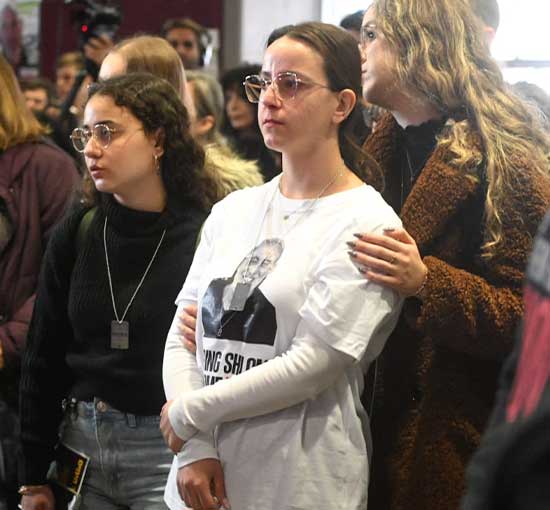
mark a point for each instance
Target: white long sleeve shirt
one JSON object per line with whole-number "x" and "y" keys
{"x": 274, "y": 390}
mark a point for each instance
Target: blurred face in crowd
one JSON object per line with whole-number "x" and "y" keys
{"x": 185, "y": 42}
{"x": 121, "y": 162}
{"x": 240, "y": 112}
{"x": 11, "y": 36}
{"x": 377, "y": 63}
{"x": 64, "y": 80}
{"x": 37, "y": 99}
{"x": 201, "y": 126}
{"x": 296, "y": 115}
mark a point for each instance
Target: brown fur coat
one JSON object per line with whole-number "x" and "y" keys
{"x": 438, "y": 373}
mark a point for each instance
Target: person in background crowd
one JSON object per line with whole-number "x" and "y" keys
{"x": 233, "y": 172}
{"x": 207, "y": 95}
{"x": 240, "y": 124}
{"x": 145, "y": 53}
{"x": 352, "y": 23}
{"x": 95, "y": 50}
{"x": 189, "y": 39}
{"x": 489, "y": 13}
{"x": 286, "y": 324}
{"x": 222, "y": 169}
{"x": 537, "y": 98}
{"x": 533, "y": 95}
{"x": 510, "y": 470}
{"x": 68, "y": 66}
{"x": 105, "y": 299}
{"x": 466, "y": 165}
{"x": 39, "y": 94}
{"x": 36, "y": 183}
{"x": 11, "y": 37}
{"x": 64, "y": 117}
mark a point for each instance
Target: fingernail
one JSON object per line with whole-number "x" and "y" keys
{"x": 358, "y": 235}
{"x": 351, "y": 244}
{"x": 226, "y": 504}
{"x": 352, "y": 254}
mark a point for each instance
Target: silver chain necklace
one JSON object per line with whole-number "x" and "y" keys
{"x": 120, "y": 338}
{"x": 314, "y": 201}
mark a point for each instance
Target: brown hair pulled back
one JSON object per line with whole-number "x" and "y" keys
{"x": 342, "y": 66}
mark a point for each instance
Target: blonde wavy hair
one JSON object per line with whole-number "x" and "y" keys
{"x": 17, "y": 123}
{"x": 443, "y": 56}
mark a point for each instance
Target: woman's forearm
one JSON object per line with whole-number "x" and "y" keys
{"x": 308, "y": 368}
{"x": 180, "y": 371}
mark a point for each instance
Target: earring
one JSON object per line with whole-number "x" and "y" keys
{"x": 157, "y": 163}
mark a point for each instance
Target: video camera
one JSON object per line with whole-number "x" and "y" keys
{"x": 93, "y": 19}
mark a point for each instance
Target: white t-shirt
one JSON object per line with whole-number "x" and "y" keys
{"x": 302, "y": 286}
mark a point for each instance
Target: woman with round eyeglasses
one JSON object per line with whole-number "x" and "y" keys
{"x": 154, "y": 55}
{"x": 285, "y": 85}
{"x": 105, "y": 303}
{"x": 267, "y": 413}
{"x": 466, "y": 165}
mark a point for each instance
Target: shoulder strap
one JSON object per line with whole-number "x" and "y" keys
{"x": 83, "y": 228}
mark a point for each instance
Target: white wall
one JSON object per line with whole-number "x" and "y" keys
{"x": 334, "y": 10}
{"x": 260, "y": 17}
{"x": 247, "y": 24}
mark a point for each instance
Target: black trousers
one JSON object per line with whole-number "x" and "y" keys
{"x": 10, "y": 455}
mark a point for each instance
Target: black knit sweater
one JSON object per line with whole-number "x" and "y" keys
{"x": 417, "y": 144}
{"x": 68, "y": 349}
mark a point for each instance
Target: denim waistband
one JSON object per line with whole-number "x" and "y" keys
{"x": 100, "y": 409}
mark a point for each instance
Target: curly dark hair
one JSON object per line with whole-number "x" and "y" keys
{"x": 155, "y": 103}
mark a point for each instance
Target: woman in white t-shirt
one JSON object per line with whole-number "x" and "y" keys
{"x": 267, "y": 413}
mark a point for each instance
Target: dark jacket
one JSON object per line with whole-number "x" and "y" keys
{"x": 69, "y": 351}
{"x": 511, "y": 469}
{"x": 36, "y": 183}
{"x": 438, "y": 372}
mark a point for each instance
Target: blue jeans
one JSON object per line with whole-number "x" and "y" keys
{"x": 129, "y": 462}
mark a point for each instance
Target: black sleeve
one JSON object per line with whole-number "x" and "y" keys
{"x": 511, "y": 468}
{"x": 45, "y": 377}
{"x": 506, "y": 381}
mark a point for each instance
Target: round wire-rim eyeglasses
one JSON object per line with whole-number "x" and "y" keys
{"x": 285, "y": 85}
{"x": 101, "y": 133}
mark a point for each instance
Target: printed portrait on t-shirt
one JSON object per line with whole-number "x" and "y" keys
{"x": 238, "y": 320}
